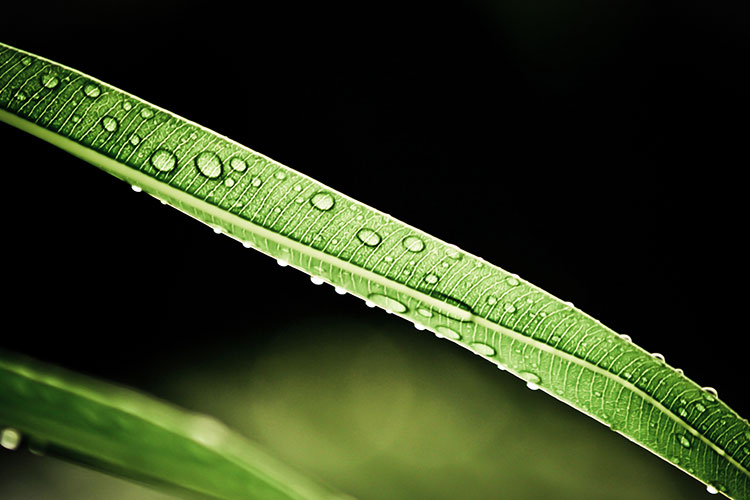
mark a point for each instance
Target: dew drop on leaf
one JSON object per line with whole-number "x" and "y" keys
{"x": 238, "y": 164}
{"x": 491, "y": 300}
{"x": 314, "y": 279}
{"x": 229, "y": 182}
{"x": 280, "y": 175}
{"x": 146, "y": 113}
{"x": 110, "y": 124}
{"x": 626, "y": 338}
{"x": 91, "y": 90}
{"x": 413, "y": 244}
{"x": 658, "y": 356}
{"x": 134, "y": 139}
{"x": 446, "y": 331}
{"x": 432, "y": 278}
{"x": 682, "y": 412}
{"x": 512, "y": 281}
{"x": 283, "y": 263}
{"x": 424, "y": 312}
{"x": 532, "y": 379}
{"x": 322, "y": 201}
{"x": 509, "y": 308}
{"x": 163, "y": 160}
{"x": 387, "y": 303}
{"x": 76, "y": 118}
{"x": 127, "y": 106}
{"x": 712, "y": 489}
{"x": 683, "y": 440}
{"x": 208, "y": 164}
{"x": 419, "y": 326}
{"x": 10, "y": 438}
{"x": 483, "y": 348}
{"x": 50, "y": 81}
{"x": 368, "y": 237}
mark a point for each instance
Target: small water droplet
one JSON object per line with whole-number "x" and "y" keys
{"x": 297, "y": 188}
{"x": 238, "y": 164}
{"x": 483, "y": 348}
{"x": 208, "y": 164}
{"x": 134, "y": 140}
{"x": 432, "y": 278}
{"x": 135, "y": 188}
{"x": 712, "y": 489}
{"x": 388, "y": 258}
{"x": 424, "y": 312}
{"x": 50, "y": 81}
{"x": 370, "y": 303}
{"x": 229, "y": 182}
{"x": 368, "y": 237}
{"x": 283, "y": 263}
{"x": 554, "y": 338}
{"x": 127, "y": 106}
{"x": 700, "y": 407}
{"x": 453, "y": 252}
{"x": 598, "y": 394}
{"x": 27, "y": 60}
{"x": 163, "y": 160}
{"x": 340, "y": 290}
{"x": 509, "y": 308}
{"x": 683, "y": 440}
{"x": 446, "y": 331}
{"x": 10, "y": 438}
{"x": 387, "y": 303}
{"x": 280, "y": 175}
{"x": 419, "y": 326}
{"x": 682, "y": 412}
{"x": 511, "y": 280}
{"x": 626, "y": 338}
{"x": 658, "y": 356}
{"x": 146, "y": 113}
{"x": 76, "y": 118}
{"x": 91, "y": 90}
{"x": 315, "y": 280}
{"x": 110, "y": 124}
{"x": 322, "y": 201}
{"x": 247, "y": 244}
{"x": 532, "y": 379}
{"x": 413, "y": 244}
{"x": 679, "y": 371}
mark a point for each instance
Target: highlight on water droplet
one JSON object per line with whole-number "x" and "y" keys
{"x": 482, "y": 348}
{"x": 163, "y": 160}
{"x": 448, "y": 332}
{"x": 387, "y": 303}
{"x": 49, "y": 80}
{"x": 322, "y": 201}
{"x": 91, "y": 90}
{"x": 413, "y": 244}
{"x": 208, "y": 164}
{"x": 370, "y": 304}
{"x": 76, "y": 118}
{"x": 316, "y": 281}
{"x": 10, "y": 438}
{"x": 368, "y": 237}
{"x": 532, "y": 379}
{"x": 110, "y": 124}
{"x": 217, "y": 230}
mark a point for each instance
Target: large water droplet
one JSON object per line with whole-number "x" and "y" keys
{"x": 163, "y": 160}
{"x": 50, "y": 81}
{"x": 368, "y": 237}
{"x": 208, "y": 164}
{"x": 483, "y": 348}
{"x": 91, "y": 90}
{"x": 387, "y": 303}
{"x": 532, "y": 379}
{"x": 413, "y": 244}
{"x": 10, "y": 438}
{"x": 110, "y": 124}
{"x": 238, "y": 164}
{"x": 322, "y": 201}
{"x": 432, "y": 278}
{"x": 683, "y": 440}
{"x": 448, "y": 332}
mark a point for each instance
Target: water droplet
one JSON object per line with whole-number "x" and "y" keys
{"x": 21, "y": 95}
{"x": 368, "y": 237}
{"x": 531, "y": 378}
{"x": 280, "y": 175}
{"x": 238, "y": 164}
{"x": 163, "y": 160}
{"x": 50, "y": 81}
{"x": 217, "y": 230}
{"x": 432, "y": 278}
{"x": 208, "y": 164}
{"x": 511, "y": 280}
{"x": 424, "y": 312}
{"x": 509, "y": 308}
{"x": 134, "y": 140}
{"x": 419, "y": 326}
{"x": 283, "y": 263}
{"x": 710, "y": 394}
{"x": 27, "y": 60}
{"x": 127, "y": 106}
{"x": 388, "y": 258}
{"x": 76, "y": 118}
{"x": 598, "y": 394}
{"x": 679, "y": 371}
{"x": 712, "y": 489}
{"x": 682, "y": 412}
{"x": 370, "y": 304}
{"x": 91, "y": 90}
{"x": 109, "y": 124}
{"x": 683, "y": 440}
{"x": 247, "y": 244}
{"x": 446, "y": 331}
{"x": 658, "y": 356}
{"x": 10, "y": 438}
{"x": 555, "y": 338}
{"x": 453, "y": 252}
{"x": 297, "y": 188}
{"x": 135, "y": 188}
{"x": 229, "y": 182}
{"x": 387, "y": 303}
{"x": 483, "y": 349}
{"x": 315, "y": 280}
{"x": 491, "y": 300}
{"x": 413, "y": 244}
{"x": 700, "y": 407}
{"x": 626, "y": 338}
{"x": 146, "y": 113}
{"x": 322, "y": 201}
{"x": 340, "y": 290}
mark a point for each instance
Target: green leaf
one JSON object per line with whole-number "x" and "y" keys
{"x": 549, "y": 343}
{"x": 126, "y": 433}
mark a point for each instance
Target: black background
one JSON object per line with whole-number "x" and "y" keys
{"x": 595, "y": 148}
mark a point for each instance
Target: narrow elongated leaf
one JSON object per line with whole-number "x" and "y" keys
{"x": 549, "y": 343}
{"x": 126, "y": 433}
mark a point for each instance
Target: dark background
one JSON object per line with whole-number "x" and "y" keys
{"x": 595, "y": 148}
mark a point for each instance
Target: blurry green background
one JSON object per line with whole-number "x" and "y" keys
{"x": 591, "y": 147}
